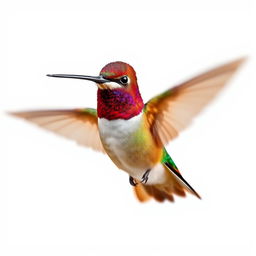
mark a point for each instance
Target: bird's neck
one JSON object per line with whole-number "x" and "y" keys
{"x": 119, "y": 104}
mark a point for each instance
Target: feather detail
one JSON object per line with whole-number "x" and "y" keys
{"x": 172, "y": 111}
{"x": 80, "y": 125}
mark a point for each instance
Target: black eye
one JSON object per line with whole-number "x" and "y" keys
{"x": 124, "y": 80}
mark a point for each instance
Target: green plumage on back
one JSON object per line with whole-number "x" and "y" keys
{"x": 91, "y": 111}
{"x": 167, "y": 159}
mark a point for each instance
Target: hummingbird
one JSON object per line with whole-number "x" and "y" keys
{"x": 133, "y": 133}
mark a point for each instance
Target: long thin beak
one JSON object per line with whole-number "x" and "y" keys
{"x": 96, "y": 79}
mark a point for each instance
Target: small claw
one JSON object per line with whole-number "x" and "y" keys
{"x": 145, "y": 177}
{"x": 132, "y": 181}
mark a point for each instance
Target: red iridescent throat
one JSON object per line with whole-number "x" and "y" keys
{"x": 119, "y": 104}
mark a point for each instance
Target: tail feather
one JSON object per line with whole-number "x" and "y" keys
{"x": 153, "y": 191}
{"x": 147, "y": 192}
{"x": 174, "y": 185}
{"x": 141, "y": 193}
{"x": 179, "y": 179}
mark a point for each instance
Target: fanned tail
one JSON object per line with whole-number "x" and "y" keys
{"x": 175, "y": 185}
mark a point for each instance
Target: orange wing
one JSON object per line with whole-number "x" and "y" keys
{"x": 172, "y": 111}
{"x": 80, "y": 125}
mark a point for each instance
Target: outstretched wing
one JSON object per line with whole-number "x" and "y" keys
{"x": 172, "y": 111}
{"x": 80, "y": 125}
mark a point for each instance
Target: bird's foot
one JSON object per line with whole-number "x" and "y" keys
{"x": 132, "y": 181}
{"x": 145, "y": 177}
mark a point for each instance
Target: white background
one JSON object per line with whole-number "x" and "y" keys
{"x": 61, "y": 199}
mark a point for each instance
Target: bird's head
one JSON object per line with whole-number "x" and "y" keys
{"x": 114, "y": 75}
{"x": 118, "y": 92}
{"x": 120, "y": 75}
{"x": 119, "y": 96}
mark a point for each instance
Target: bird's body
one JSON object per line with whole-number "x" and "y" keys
{"x": 130, "y": 145}
{"x": 134, "y": 134}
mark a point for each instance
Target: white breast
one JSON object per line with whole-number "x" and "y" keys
{"x": 116, "y": 136}
{"x": 119, "y": 127}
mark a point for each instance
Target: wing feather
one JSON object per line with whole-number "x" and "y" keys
{"x": 173, "y": 110}
{"x": 80, "y": 125}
